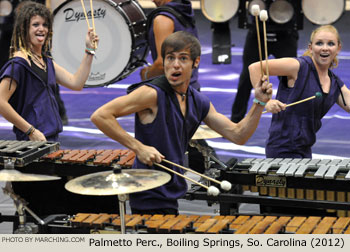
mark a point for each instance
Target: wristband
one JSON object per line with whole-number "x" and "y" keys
{"x": 90, "y": 51}
{"x": 259, "y": 102}
{"x": 30, "y": 130}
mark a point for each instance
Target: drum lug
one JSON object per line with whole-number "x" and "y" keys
{"x": 125, "y": 2}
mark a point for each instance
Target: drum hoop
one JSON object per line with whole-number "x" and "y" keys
{"x": 318, "y": 23}
{"x": 276, "y": 21}
{"x": 127, "y": 70}
{"x": 205, "y": 13}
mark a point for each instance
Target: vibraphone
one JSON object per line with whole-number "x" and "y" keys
{"x": 312, "y": 183}
{"x": 240, "y": 224}
{"x": 80, "y": 162}
{"x": 22, "y": 153}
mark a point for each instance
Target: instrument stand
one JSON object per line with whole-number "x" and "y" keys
{"x": 122, "y": 198}
{"x": 209, "y": 160}
{"x": 21, "y": 206}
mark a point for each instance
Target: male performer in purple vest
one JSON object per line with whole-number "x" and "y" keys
{"x": 168, "y": 111}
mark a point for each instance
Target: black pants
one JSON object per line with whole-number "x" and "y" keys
{"x": 286, "y": 45}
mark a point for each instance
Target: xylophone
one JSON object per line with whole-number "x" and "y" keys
{"x": 80, "y": 162}
{"x": 310, "y": 183}
{"x": 240, "y": 224}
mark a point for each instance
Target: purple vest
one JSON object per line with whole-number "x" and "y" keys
{"x": 169, "y": 133}
{"x": 186, "y": 10}
{"x": 33, "y": 99}
{"x": 293, "y": 131}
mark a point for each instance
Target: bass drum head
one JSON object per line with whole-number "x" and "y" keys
{"x": 68, "y": 42}
{"x": 281, "y": 11}
{"x": 219, "y": 10}
{"x": 323, "y": 12}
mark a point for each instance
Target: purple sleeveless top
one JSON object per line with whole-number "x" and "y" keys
{"x": 293, "y": 131}
{"x": 34, "y": 99}
{"x": 169, "y": 133}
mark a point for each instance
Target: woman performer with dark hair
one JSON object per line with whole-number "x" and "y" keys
{"x": 28, "y": 79}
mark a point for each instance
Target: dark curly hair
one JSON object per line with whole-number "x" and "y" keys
{"x": 20, "y": 37}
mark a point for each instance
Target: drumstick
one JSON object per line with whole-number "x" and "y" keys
{"x": 92, "y": 16}
{"x": 263, "y": 18}
{"x": 87, "y": 20}
{"x": 93, "y": 21}
{"x": 255, "y": 12}
{"x": 317, "y": 95}
{"x": 211, "y": 190}
{"x": 86, "y": 17}
{"x": 225, "y": 185}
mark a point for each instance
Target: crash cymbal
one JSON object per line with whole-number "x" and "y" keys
{"x": 110, "y": 183}
{"x": 11, "y": 175}
{"x": 204, "y": 132}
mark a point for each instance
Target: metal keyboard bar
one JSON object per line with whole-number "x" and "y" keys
{"x": 335, "y": 162}
{"x": 286, "y": 161}
{"x": 332, "y": 171}
{"x": 314, "y": 162}
{"x": 265, "y": 168}
{"x": 347, "y": 176}
{"x": 255, "y": 168}
{"x": 301, "y": 170}
{"x": 304, "y": 161}
{"x": 321, "y": 171}
{"x": 248, "y": 161}
{"x": 282, "y": 170}
{"x": 292, "y": 169}
{"x": 324, "y": 161}
{"x": 344, "y": 163}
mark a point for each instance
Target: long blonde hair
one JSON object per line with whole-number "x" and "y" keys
{"x": 328, "y": 28}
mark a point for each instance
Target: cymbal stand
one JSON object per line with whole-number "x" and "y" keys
{"x": 21, "y": 206}
{"x": 209, "y": 159}
{"x": 122, "y": 198}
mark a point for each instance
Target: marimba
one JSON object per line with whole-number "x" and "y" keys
{"x": 80, "y": 162}
{"x": 240, "y": 224}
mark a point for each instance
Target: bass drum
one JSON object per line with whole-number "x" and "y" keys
{"x": 219, "y": 10}
{"x": 323, "y": 12}
{"x": 120, "y": 26}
